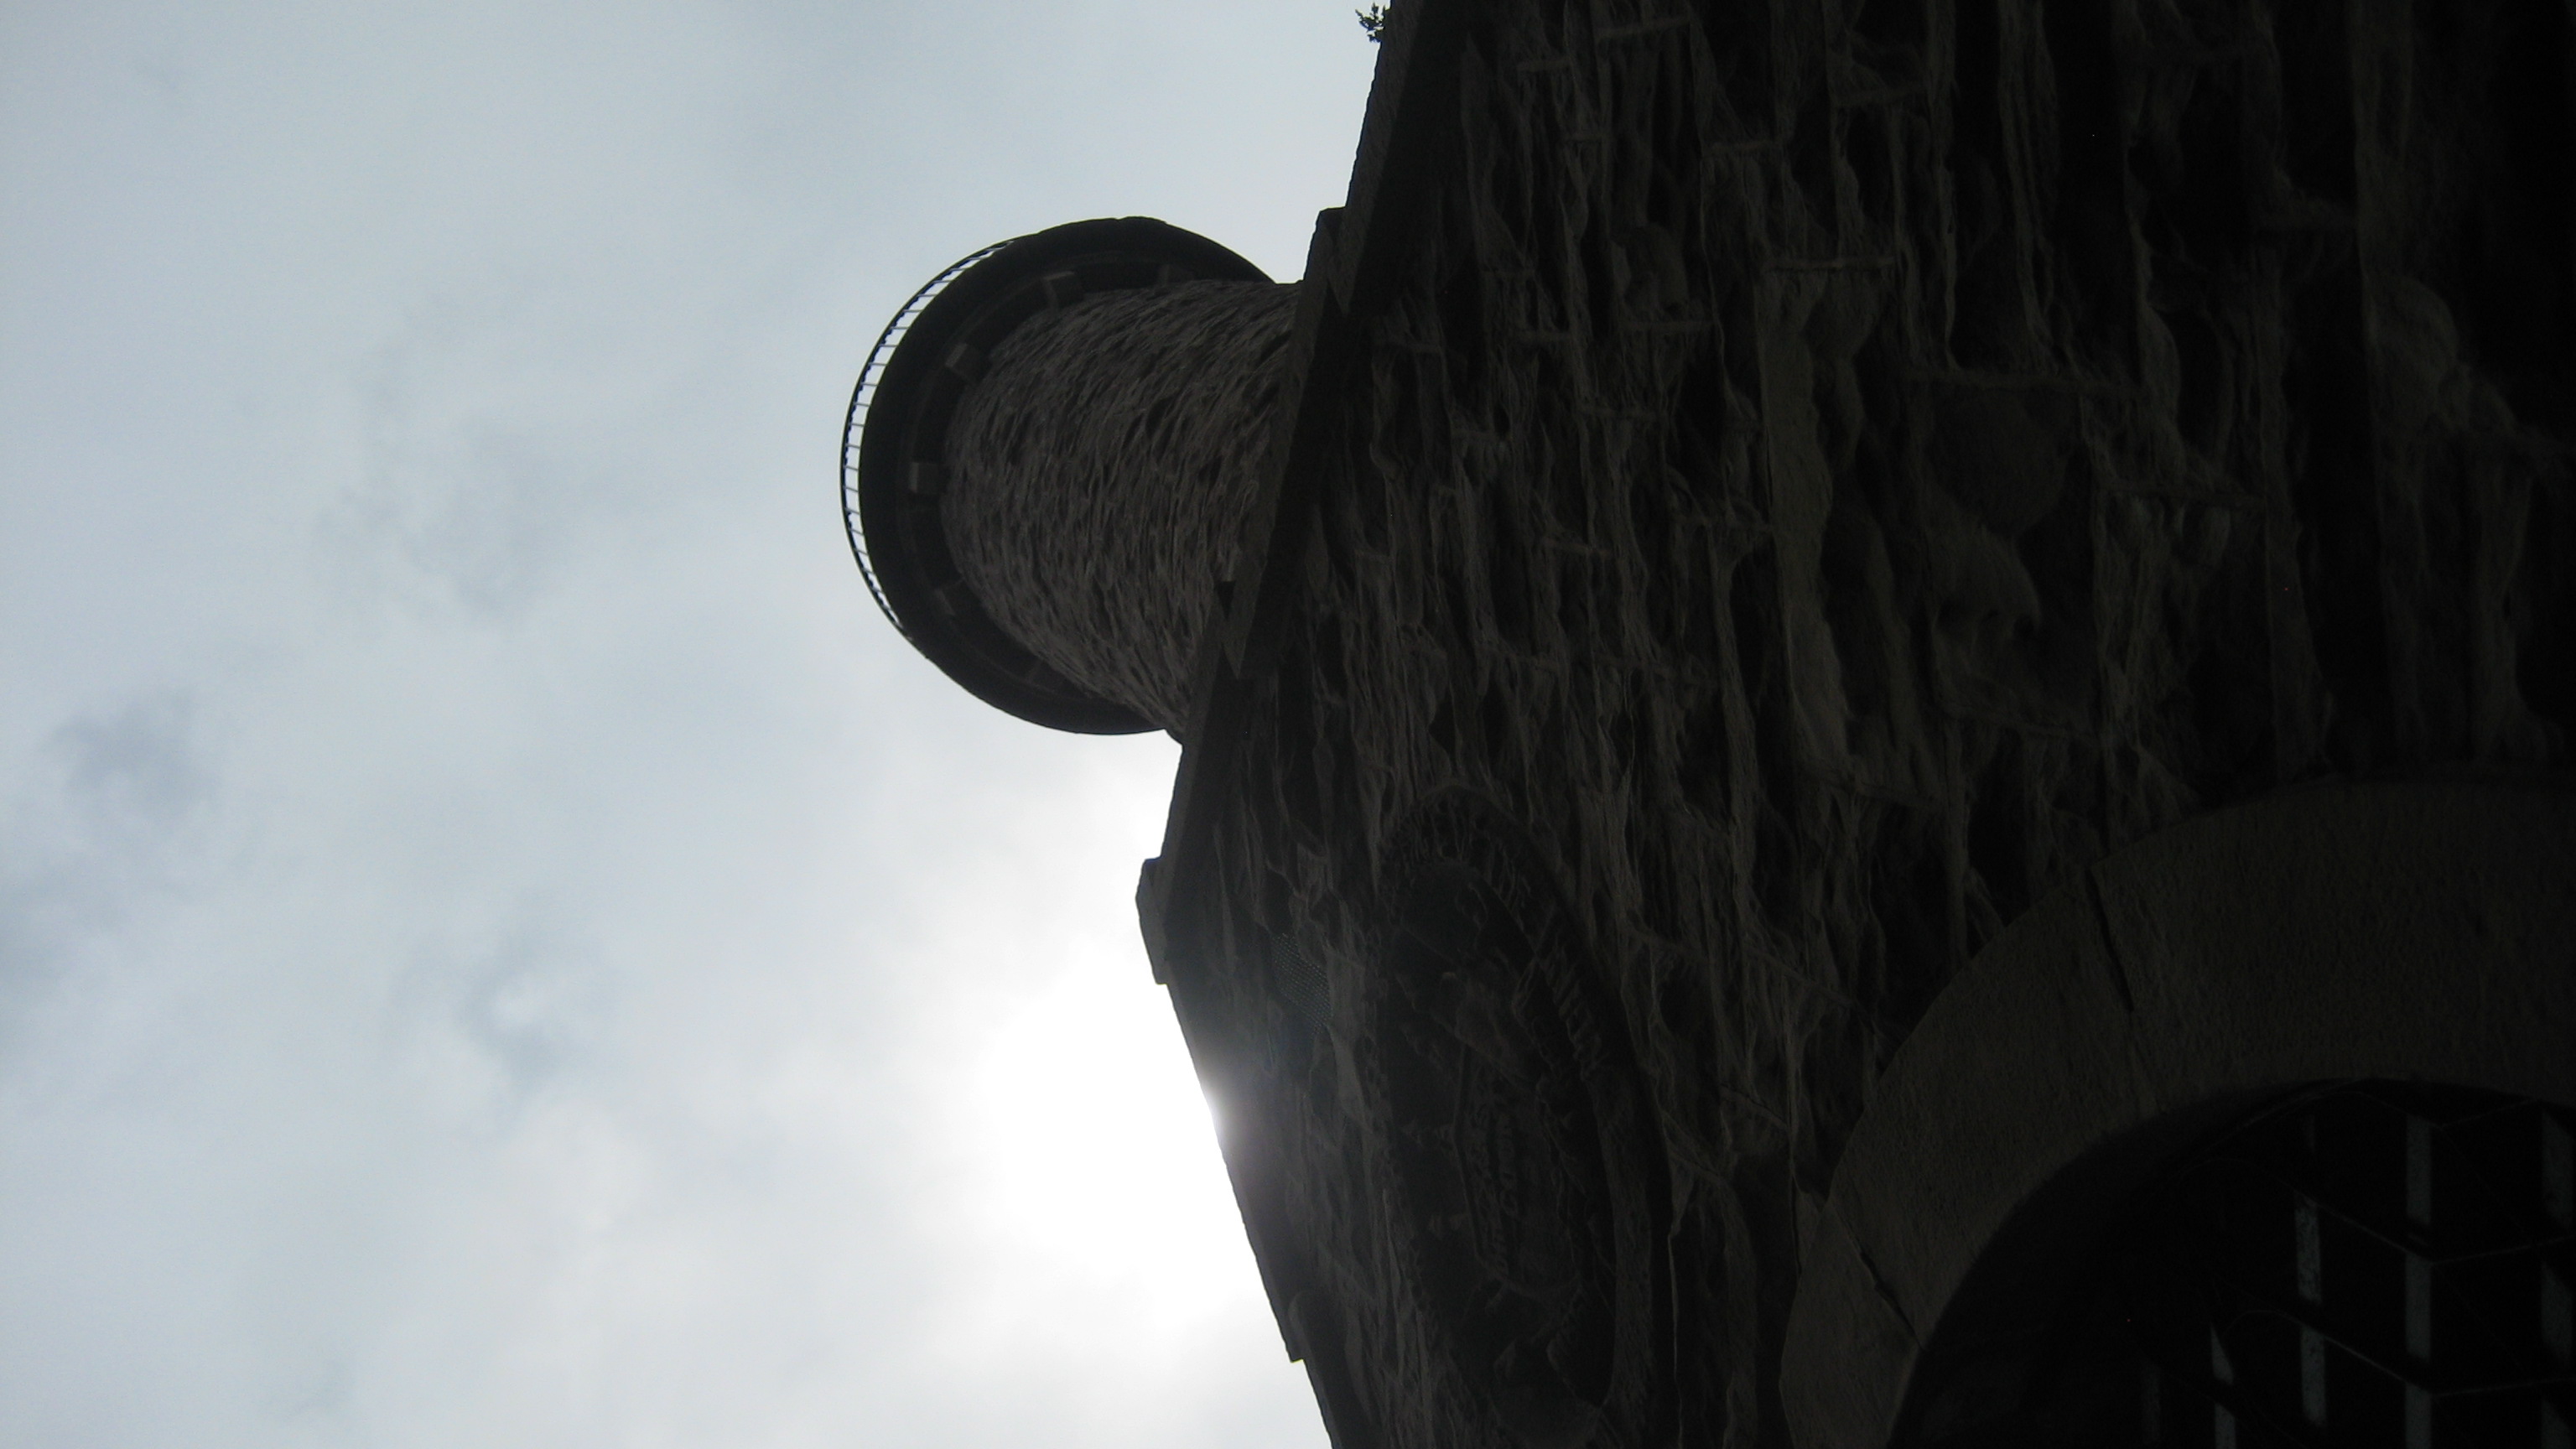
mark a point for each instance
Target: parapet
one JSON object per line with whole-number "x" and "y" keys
{"x": 1049, "y": 456}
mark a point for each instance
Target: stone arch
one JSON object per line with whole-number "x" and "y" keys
{"x": 2407, "y": 931}
{"x": 1522, "y": 1166}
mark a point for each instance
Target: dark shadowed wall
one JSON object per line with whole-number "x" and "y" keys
{"x": 1817, "y": 479}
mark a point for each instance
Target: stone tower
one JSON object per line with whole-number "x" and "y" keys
{"x": 1063, "y": 434}
{"x": 1876, "y": 704}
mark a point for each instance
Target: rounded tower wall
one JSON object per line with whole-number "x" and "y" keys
{"x": 1049, "y": 459}
{"x": 1098, "y": 473}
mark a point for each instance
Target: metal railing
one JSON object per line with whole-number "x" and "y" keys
{"x": 862, "y": 396}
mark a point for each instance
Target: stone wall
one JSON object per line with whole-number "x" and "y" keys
{"x": 1820, "y": 477}
{"x": 1099, "y": 472}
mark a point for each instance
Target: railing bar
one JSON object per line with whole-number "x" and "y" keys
{"x": 2367, "y": 1228}
{"x": 2227, "y": 1397}
{"x": 863, "y": 394}
{"x": 2260, "y": 1302}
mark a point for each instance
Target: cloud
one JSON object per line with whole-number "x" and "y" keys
{"x": 498, "y": 943}
{"x": 101, "y": 825}
{"x": 485, "y": 516}
{"x": 135, "y": 764}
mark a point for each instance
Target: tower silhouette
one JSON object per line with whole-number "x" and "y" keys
{"x": 1062, "y": 437}
{"x": 1875, "y": 704}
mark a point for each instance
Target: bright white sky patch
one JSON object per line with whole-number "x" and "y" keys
{"x": 499, "y": 945}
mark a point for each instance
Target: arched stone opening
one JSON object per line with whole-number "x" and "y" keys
{"x": 2353, "y": 1263}
{"x": 2419, "y": 937}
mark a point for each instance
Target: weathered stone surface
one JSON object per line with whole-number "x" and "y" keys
{"x": 1099, "y": 472}
{"x": 1831, "y": 474}
{"x": 1767, "y": 496}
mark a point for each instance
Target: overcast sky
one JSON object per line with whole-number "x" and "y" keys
{"x": 499, "y": 943}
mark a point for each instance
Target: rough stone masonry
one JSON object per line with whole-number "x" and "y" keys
{"x": 1767, "y": 511}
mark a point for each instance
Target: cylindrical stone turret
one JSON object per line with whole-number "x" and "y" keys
{"x": 1051, "y": 456}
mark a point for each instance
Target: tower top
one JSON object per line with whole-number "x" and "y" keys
{"x": 895, "y": 446}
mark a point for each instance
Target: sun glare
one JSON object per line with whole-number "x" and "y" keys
{"x": 1097, "y": 1146}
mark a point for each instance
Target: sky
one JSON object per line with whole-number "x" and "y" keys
{"x": 499, "y": 943}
